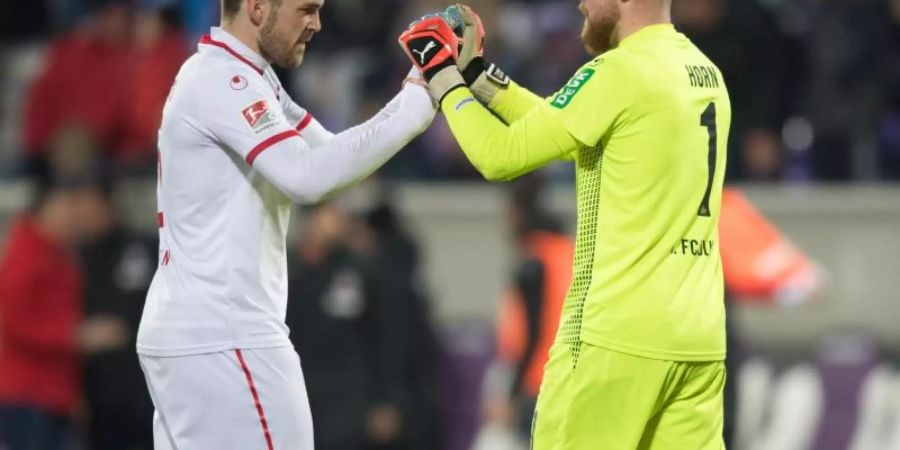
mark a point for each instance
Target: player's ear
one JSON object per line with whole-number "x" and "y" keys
{"x": 256, "y": 11}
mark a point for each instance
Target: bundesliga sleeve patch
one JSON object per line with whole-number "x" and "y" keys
{"x": 565, "y": 96}
{"x": 259, "y": 116}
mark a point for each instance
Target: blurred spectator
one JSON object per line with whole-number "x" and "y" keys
{"x": 40, "y": 309}
{"x": 118, "y": 265}
{"x": 889, "y": 136}
{"x": 529, "y": 315}
{"x": 160, "y": 49}
{"x": 846, "y": 89}
{"x": 395, "y": 256}
{"x": 346, "y": 338}
{"x": 747, "y": 45}
{"x": 85, "y": 83}
{"x": 109, "y": 77}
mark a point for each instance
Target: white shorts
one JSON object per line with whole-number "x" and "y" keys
{"x": 253, "y": 399}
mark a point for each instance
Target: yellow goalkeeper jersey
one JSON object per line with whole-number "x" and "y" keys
{"x": 646, "y": 125}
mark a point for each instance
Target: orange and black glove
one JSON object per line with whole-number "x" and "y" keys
{"x": 433, "y": 47}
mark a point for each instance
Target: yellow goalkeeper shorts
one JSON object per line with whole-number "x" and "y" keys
{"x": 607, "y": 400}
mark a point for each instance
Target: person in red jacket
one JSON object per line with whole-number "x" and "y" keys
{"x": 159, "y": 49}
{"x": 85, "y": 84}
{"x": 40, "y": 303}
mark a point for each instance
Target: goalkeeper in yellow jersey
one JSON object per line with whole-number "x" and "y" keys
{"x": 638, "y": 358}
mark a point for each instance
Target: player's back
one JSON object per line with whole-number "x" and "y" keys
{"x": 647, "y": 277}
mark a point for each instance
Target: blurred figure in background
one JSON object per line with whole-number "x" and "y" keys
{"x": 109, "y": 77}
{"x": 848, "y": 85}
{"x": 746, "y": 43}
{"x": 889, "y": 135}
{"x": 40, "y": 309}
{"x": 347, "y": 338}
{"x": 529, "y": 314}
{"x": 395, "y": 256}
{"x": 118, "y": 266}
{"x": 85, "y": 83}
{"x": 159, "y": 50}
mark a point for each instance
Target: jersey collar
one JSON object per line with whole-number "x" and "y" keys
{"x": 224, "y": 40}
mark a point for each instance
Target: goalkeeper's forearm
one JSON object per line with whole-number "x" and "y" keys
{"x": 503, "y": 152}
{"x": 493, "y": 88}
{"x": 512, "y": 102}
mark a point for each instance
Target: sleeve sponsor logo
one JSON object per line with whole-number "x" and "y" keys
{"x": 259, "y": 116}
{"x": 565, "y": 96}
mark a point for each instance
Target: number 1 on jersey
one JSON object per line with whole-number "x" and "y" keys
{"x": 708, "y": 120}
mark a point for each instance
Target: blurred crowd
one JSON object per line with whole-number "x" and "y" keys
{"x": 815, "y": 84}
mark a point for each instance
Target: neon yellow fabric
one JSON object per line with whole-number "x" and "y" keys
{"x": 647, "y": 124}
{"x": 514, "y": 102}
{"x": 614, "y": 401}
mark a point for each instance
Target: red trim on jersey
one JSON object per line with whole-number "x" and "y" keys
{"x": 167, "y": 255}
{"x": 307, "y": 119}
{"x": 259, "y": 408}
{"x": 268, "y": 143}
{"x": 160, "y": 219}
{"x": 208, "y": 40}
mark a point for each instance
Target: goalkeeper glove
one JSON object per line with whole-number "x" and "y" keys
{"x": 484, "y": 79}
{"x": 433, "y": 48}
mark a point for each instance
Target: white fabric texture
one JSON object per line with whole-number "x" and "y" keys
{"x": 206, "y": 401}
{"x": 235, "y": 151}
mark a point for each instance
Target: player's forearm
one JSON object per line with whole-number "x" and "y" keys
{"x": 513, "y": 102}
{"x": 307, "y": 173}
{"x": 316, "y": 135}
{"x": 500, "y": 152}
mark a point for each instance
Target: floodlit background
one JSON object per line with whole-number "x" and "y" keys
{"x": 409, "y": 295}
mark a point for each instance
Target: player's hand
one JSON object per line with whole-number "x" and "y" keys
{"x": 431, "y": 45}
{"x": 485, "y": 79}
{"x": 469, "y": 27}
{"x": 433, "y": 48}
{"x": 384, "y": 423}
{"x": 102, "y": 333}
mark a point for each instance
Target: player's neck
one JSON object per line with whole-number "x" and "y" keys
{"x": 638, "y": 19}
{"x": 247, "y": 35}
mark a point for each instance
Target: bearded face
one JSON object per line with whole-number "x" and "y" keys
{"x": 601, "y": 19}
{"x": 275, "y": 47}
{"x": 286, "y": 30}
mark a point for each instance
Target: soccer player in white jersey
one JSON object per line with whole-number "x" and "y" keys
{"x": 235, "y": 152}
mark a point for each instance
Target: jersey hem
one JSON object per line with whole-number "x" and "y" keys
{"x": 642, "y": 352}
{"x": 162, "y": 352}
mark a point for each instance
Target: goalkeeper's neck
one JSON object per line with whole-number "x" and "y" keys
{"x": 639, "y": 14}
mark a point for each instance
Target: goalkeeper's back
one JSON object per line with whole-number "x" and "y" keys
{"x": 653, "y": 117}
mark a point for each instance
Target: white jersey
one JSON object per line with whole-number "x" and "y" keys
{"x": 234, "y": 152}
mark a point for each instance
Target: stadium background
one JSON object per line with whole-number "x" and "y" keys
{"x": 815, "y": 145}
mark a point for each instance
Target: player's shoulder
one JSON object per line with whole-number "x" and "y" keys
{"x": 613, "y": 61}
{"x": 216, "y": 78}
{"x": 616, "y": 66}
{"x": 606, "y": 72}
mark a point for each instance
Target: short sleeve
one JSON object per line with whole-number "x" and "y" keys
{"x": 241, "y": 112}
{"x": 594, "y": 98}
